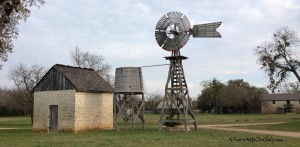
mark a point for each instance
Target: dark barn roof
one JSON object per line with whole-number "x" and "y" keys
{"x": 62, "y": 77}
{"x": 281, "y": 96}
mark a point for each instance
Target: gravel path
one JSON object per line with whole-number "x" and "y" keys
{"x": 225, "y": 127}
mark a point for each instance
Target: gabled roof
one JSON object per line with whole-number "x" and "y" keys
{"x": 281, "y": 96}
{"x": 81, "y": 79}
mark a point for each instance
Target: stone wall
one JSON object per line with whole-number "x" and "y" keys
{"x": 93, "y": 111}
{"x": 77, "y": 111}
{"x": 66, "y": 109}
{"x": 269, "y": 108}
{"x": 296, "y": 106}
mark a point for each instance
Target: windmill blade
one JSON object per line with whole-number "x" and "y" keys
{"x": 184, "y": 24}
{"x": 181, "y": 39}
{"x": 162, "y": 24}
{"x": 170, "y": 45}
{"x": 160, "y": 37}
{"x": 206, "y": 30}
{"x": 174, "y": 17}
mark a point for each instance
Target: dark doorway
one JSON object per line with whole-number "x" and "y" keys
{"x": 53, "y": 118}
{"x": 289, "y": 109}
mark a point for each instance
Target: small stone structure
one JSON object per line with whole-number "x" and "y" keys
{"x": 281, "y": 103}
{"x": 72, "y": 99}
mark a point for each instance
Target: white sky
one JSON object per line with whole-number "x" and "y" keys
{"x": 123, "y": 32}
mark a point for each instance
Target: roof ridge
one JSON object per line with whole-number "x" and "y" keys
{"x": 69, "y": 66}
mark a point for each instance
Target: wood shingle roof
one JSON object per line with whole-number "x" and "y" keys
{"x": 62, "y": 77}
{"x": 281, "y": 96}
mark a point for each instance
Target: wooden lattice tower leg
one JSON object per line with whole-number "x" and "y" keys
{"x": 176, "y": 101}
{"x": 127, "y": 107}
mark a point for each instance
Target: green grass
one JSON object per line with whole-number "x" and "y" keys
{"x": 207, "y": 119}
{"x": 289, "y": 126}
{"x": 150, "y": 136}
{"x": 245, "y": 118}
{"x": 15, "y": 122}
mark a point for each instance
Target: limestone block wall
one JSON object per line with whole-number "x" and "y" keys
{"x": 93, "y": 111}
{"x": 296, "y": 106}
{"x": 66, "y": 109}
{"x": 269, "y": 108}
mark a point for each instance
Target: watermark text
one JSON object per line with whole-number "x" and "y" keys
{"x": 255, "y": 139}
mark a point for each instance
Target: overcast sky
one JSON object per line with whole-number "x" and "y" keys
{"x": 123, "y": 32}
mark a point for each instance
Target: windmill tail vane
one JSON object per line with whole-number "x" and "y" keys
{"x": 208, "y": 30}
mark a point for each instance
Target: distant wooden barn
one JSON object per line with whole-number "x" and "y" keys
{"x": 72, "y": 99}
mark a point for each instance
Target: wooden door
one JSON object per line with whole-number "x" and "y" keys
{"x": 53, "y": 118}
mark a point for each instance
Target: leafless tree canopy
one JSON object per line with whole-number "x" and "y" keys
{"x": 278, "y": 58}
{"x": 11, "y": 13}
{"x": 25, "y": 78}
{"x": 94, "y": 61}
{"x": 292, "y": 87}
{"x": 152, "y": 101}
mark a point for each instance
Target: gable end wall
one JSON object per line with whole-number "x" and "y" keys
{"x": 54, "y": 80}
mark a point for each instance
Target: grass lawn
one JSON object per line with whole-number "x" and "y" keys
{"x": 210, "y": 119}
{"x": 245, "y": 118}
{"x": 15, "y": 122}
{"x": 150, "y": 136}
{"x": 289, "y": 126}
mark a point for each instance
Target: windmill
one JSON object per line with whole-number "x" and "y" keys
{"x": 172, "y": 32}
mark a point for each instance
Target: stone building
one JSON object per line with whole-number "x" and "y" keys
{"x": 72, "y": 99}
{"x": 281, "y": 103}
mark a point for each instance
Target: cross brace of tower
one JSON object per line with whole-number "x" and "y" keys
{"x": 127, "y": 107}
{"x": 176, "y": 100}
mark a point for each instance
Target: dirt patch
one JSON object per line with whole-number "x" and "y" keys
{"x": 225, "y": 128}
{"x": 9, "y": 128}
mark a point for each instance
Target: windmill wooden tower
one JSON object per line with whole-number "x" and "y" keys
{"x": 172, "y": 32}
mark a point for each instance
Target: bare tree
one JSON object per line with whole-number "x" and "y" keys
{"x": 278, "y": 59}
{"x": 152, "y": 101}
{"x": 292, "y": 87}
{"x": 94, "y": 61}
{"x": 25, "y": 78}
{"x": 11, "y": 13}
